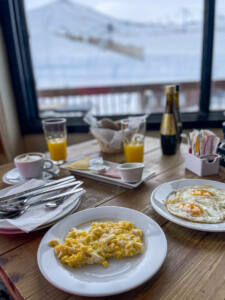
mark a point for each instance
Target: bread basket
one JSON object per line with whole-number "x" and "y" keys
{"x": 105, "y": 147}
{"x": 107, "y": 133}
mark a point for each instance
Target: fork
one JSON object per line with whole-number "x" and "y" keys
{"x": 23, "y": 208}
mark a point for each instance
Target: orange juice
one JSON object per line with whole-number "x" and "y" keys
{"x": 134, "y": 152}
{"x": 57, "y": 149}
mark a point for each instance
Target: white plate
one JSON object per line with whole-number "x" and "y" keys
{"x": 159, "y": 195}
{"x": 13, "y": 176}
{"x": 95, "y": 280}
{"x": 147, "y": 174}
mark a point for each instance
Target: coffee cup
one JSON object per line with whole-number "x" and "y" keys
{"x": 32, "y": 164}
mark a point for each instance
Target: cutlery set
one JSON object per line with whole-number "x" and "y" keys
{"x": 14, "y": 205}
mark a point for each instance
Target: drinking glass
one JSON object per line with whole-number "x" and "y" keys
{"x": 56, "y": 138}
{"x": 133, "y": 138}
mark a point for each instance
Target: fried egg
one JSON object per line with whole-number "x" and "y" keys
{"x": 203, "y": 204}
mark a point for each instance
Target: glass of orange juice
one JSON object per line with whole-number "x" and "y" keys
{"x": 56, "y": 137}
{"x": 133, "y": 138}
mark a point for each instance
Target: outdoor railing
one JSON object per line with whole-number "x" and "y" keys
{"x": 123, "y": 99}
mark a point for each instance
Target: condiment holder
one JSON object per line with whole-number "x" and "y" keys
{"x": 131, "y": 172}
{"x": 203, "y": 166}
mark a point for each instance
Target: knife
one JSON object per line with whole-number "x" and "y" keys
{"x": 44, "y": 185}
{"x": 45, "y": 191}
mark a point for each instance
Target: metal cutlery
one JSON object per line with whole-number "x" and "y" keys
{"x": 55, "y": 203}
{"x": 45, "y": 185}
{"x": 10, "y": 215}
{"x": 59, "y": 201}
{"x": 39, "y": 191}
{"x": 15, "y": 214}
{"x": 24, "y": 207}
{"x": 24, "y": 199}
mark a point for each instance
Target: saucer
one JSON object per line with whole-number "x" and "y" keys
{"x": 13, "y": 176}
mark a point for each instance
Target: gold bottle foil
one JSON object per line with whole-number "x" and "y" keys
{"x": 168, "y": 125}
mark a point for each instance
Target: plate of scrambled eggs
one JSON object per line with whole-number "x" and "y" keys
{"x": 102, "y": 251}
{"x": 193, "y": 203}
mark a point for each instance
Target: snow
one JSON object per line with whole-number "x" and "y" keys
{"x": 70, "y": 46}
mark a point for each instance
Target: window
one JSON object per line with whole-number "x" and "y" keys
{"x": 137, "y": 45}
{"x": 218, "y": 75}
{"x": 131, "y": 80}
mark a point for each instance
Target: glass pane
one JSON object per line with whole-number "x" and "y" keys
{"x": 218, "y": 77}
{"x": 114, "y": 57}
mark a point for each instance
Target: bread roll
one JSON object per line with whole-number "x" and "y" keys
{"x": 107, "y": 123}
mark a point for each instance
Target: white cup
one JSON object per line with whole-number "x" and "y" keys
{"x": 32, "y": 164}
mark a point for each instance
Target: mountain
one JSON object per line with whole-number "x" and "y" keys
{"x": 73, "y": 45}
{"x": 81, "y": 24}
{"x": 65, "y": 15}
{"x": 65, "y": 18}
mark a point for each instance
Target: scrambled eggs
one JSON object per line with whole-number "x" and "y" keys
{"x": 102, "y": 241}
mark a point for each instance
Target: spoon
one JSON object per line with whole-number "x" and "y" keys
{"x": 11, "y": 215}
{"x": 24, "y": 199}
{"x": 13, "y": 197}
{"x": 24, "y": 207}
{"x": 15, "y": 214}
{"x": 54, "y": 204}
{"x": 60, "y": 201}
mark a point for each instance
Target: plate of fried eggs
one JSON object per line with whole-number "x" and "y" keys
{"x": 193, "y": 203}
{"x": 102, "y": 251}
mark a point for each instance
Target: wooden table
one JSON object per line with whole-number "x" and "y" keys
{"x": 195, "y": 264}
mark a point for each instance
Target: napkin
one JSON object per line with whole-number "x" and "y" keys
{"x": 202, "y": 143}
{"x": 109, "y": 137}
{"x": 36, "y": 215}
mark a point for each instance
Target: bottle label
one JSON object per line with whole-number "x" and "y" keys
{"x": 168, "y": 125}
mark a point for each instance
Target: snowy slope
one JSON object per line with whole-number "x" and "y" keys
{"x": 73, "y": 45}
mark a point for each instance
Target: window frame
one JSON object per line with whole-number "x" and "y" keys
{"x": 14, "y": 28}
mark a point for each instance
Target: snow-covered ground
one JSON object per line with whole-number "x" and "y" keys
{"x": 76, "y": 46}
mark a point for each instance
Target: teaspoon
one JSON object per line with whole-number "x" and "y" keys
{"x": 60, "y": 201}
{"x": 24, "y": 207}
{"x": 24, "y": 199}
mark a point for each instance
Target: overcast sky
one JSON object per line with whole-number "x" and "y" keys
{"x": 143, "y": 10}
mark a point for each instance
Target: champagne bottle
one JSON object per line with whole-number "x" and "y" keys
{"x": 168, "y": 126}
{"x": 179, "y": 125}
